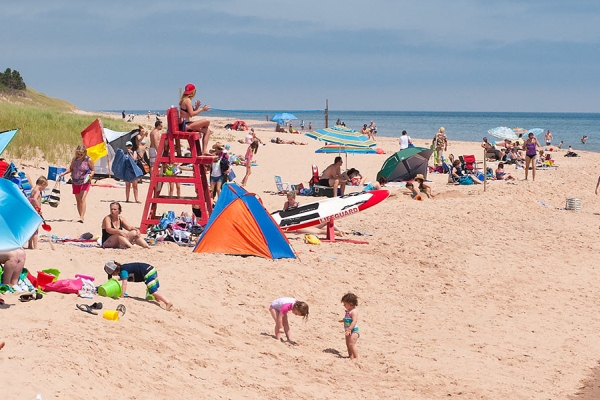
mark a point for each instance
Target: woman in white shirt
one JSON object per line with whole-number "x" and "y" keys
{"x": 404, "y": 141}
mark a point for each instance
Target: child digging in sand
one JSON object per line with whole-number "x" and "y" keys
{"x": 137, "y": 272}
{"x": 414, "y": 193}
{"x": 279, "y": 309}
{"x": 350, "y": 321}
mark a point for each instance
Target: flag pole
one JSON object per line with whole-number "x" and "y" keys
{"x": 106, "y": 144}
{"x": 484, "y": 170}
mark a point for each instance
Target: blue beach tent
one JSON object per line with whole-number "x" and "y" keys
{"x": 240, "y": 225}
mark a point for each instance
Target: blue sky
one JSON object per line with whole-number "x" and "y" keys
{"x": 426, "y": 55}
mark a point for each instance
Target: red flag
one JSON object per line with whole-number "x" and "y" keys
{"x": 93, "y": 140}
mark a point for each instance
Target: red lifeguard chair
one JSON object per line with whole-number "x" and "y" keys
{"x": 166, "y": 154}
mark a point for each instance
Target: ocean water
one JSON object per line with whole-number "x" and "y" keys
{"x": 461, "y": 126}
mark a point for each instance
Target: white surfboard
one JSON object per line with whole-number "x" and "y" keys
{"x": 331, "y": 208}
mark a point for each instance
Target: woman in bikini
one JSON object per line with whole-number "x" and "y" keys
{"x": 189, "y": 110}
{"x": 502, "y": 175}
{"x": 118, "y": 233}
{"x": 530, "y": 146}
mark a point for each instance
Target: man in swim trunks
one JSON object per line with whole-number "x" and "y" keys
{"x": 154, "y": 140}
{"x": 332, "y": 176}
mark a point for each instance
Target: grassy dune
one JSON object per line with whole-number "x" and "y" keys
{"x": 48, "y": 127}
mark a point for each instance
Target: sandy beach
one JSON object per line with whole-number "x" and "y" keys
{"x": 474, "y": 295}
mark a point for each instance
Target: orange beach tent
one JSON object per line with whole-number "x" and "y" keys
{"x": 240, "y": 225}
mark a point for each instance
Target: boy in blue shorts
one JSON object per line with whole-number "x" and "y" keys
{"x": 137, "y": 272}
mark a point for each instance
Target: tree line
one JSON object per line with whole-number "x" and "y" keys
{"x": 12, "y": 80}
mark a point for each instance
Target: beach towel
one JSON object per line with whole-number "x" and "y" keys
{"x": 124, "y": 168}
{"x": 64, "y": 286}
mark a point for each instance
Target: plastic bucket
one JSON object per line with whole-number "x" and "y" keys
{"x": 112, "y": 288}
{"x": 52, "y": 271}
{"x": 111, "y": 315}
{"x": 573, "y": 204}
{"x": 43, "y": 279}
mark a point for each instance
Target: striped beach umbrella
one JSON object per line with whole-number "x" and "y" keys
{"x": 342, "y": 137}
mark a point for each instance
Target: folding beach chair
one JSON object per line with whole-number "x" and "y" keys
{"x": 469, "y": 163}
{"x": 446, "y": 165}
{"x": 282, "y": 187}
{"x": 10, "y": 171}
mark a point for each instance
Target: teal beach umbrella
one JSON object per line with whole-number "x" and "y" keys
{"x": 18, "y": 218}
{"x": 5, "y": 138}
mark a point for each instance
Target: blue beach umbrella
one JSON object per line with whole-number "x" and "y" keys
{"x": 5, "y": 138}
{"x": 280, "y": 118}
{"x": 18, "y": 218}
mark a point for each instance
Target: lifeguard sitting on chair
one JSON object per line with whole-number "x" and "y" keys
{"x": 187, "y": 111}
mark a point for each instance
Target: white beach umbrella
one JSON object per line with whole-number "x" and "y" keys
{"x": 503, "y": 132}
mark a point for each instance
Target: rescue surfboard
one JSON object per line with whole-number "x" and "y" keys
{"x": 324, "y": 210}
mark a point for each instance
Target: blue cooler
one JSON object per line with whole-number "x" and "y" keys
{"x": 53, "y": 173}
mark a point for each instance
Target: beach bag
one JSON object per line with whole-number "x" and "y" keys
{"x": 124, "y": 168}
{"x": 466, "y": 180}
{"x": 306, "y": 192}
{"x": 54, "y": 198}
{"x": 143, "y": 166}
{"x": 196, "y": 230}
{"x": 181, "y": 236}
{"x": 224, "y": 164}
{"x": 231, "y": 175}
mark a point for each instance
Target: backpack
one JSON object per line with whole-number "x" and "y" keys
{"x": 465, "y": 180}
{"x": 224, "y": 164}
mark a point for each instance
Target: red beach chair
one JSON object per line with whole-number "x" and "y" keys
{"x": 470, "y": 164}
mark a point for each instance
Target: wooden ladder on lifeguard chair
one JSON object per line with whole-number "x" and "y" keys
{"x": 166, "y": 154}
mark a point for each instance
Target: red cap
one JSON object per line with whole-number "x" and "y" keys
{"x": 189, "y": 88}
